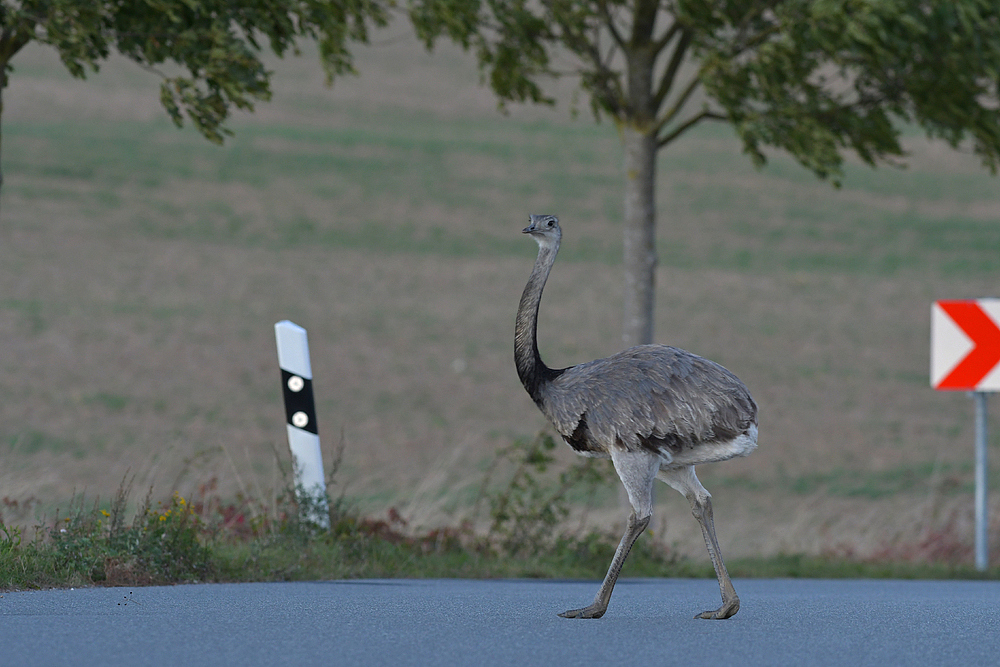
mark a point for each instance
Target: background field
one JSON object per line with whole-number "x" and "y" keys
{"x": 142, "y": 269}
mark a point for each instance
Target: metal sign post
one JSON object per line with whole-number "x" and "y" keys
{"x": 982, "y": 477}
{"x": 965, "y": 355}
{"x": 300, "y": 415}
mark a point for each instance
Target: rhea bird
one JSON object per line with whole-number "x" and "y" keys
{"x": 656, "y": 411}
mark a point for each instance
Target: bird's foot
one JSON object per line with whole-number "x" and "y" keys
{"x": 593, "y": 611}
{"x": 728, "y": 609}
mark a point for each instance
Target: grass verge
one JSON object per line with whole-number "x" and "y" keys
{"x": 209, "y": 539}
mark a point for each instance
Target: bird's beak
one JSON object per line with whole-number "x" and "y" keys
{"x": 530, "y": 228}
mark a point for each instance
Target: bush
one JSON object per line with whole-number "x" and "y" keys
{"x": 161, "y": 545}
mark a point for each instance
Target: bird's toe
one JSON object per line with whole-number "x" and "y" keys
{"x": 587, "y": 612}
{"x": 727, "y": 610}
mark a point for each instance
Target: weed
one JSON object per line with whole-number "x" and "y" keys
{"x": 10, "y": 539}
{"x": 526, "y": 512}
{"x": 943, "y": 543}
{"x": 160, "y": 545}
{"x": 208, "y": 538}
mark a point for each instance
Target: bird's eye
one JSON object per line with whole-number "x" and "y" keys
{"x": 548, "y": 223}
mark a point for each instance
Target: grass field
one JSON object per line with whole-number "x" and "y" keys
{"x": 142, "y": 269}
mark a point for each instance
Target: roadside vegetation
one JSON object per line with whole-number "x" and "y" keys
{"x": 142, "y": 269}
{"x": 526, "y": 504}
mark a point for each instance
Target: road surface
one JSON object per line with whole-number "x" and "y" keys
{"x": 461, "y": 622}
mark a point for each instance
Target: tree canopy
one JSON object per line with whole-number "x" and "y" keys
{"x": 814, "y": 78}
{"x": 207, "y": 51}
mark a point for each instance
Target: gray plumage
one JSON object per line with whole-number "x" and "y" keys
{"x": 656, "y": 411}
{"x": 653, "y": 397}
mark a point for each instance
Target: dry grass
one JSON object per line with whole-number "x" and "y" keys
{"x": 141, "y": 271}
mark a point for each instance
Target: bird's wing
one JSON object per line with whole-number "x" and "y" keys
{"x": 651, "y": 396}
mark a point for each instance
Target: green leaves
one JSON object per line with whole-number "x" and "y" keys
{"x": 218, "y": 44}
{"x": 10, "y": 538}
{"x": 814, "y": 78}
{"x": 511, "y": 39}
{"x": 77, "y": 29}
{"x": 817, "y": 78}
{"x": 215, "y": 44}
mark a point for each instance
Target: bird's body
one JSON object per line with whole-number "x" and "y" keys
{"x": 656, "y": 411}
{"x": 652, "y": 398}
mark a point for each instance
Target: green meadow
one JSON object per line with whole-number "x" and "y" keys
{"x": 142, "y": 270}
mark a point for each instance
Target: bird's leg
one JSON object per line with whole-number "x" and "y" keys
{"x": 685, "y": 481}
{"x": 637, "y": 471}
{"x": 701, "y": 507}
{"x": 600, "y": 605}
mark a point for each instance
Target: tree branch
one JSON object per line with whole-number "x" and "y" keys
{"x": 12, "y": 41}
{"x": 705, "y": 114}
{"x": 643, "y": 19}
{"x": 609, "y": 21}
{"x": 682, "y": 99}
{"x": 676, "y": 59}
{"x": 662, "y": 42}
{"x": 741, "y": 47}
{"x": 596, "y": 73}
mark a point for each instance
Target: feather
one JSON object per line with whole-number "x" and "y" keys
{"x": 652, "y": 397}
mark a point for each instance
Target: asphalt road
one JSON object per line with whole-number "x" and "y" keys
{"x": 459, "y": 622}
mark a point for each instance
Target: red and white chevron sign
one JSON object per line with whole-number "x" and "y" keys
{"x": 965, "y": 345}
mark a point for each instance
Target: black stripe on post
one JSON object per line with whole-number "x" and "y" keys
{"x": 300, "y": 406}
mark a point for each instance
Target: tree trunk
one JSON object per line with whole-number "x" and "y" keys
{"x": 3, "y": 85}
{"x": 639, "y": 235}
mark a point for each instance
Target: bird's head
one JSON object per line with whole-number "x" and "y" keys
{"x": 544, "y": 229}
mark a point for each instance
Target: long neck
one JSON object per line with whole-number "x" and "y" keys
{"x": 530, "y": 368}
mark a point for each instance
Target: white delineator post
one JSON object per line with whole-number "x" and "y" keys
{"x": 300, "y": 415}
